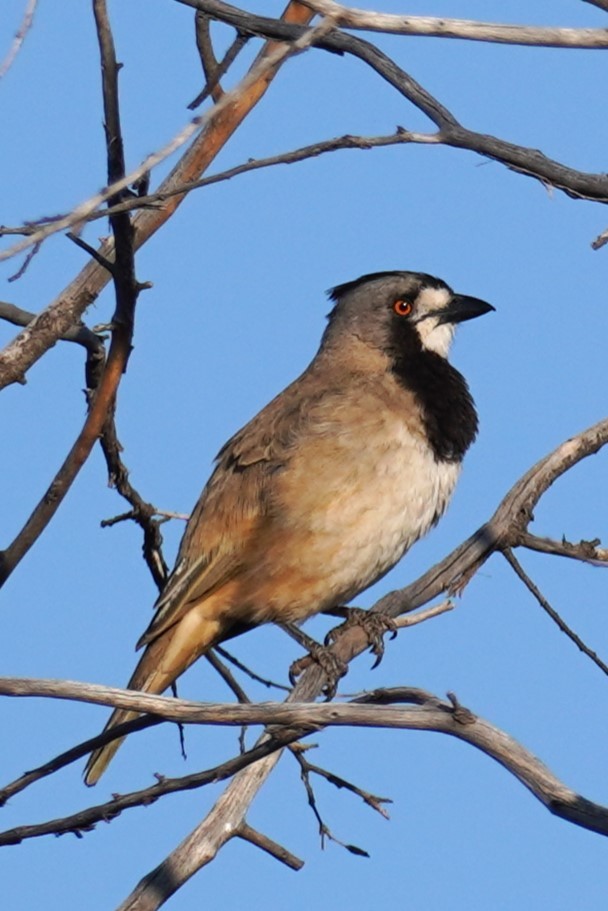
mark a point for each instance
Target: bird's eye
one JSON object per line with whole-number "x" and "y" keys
{"x": 402, "y": 308}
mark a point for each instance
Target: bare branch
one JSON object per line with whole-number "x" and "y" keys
{"x": 142, "y": 512}
{"x": 207, "y": 55}
{"x": 271, "y": 847}
{"x": 101, "y": 402}
{"x": 422, "y": 615}
{"x": 563, "y": 626}
{"x": 68, "y": 308}
{"x": 26, "y": 24}
{"x": 324, "y": 830}
{"x": 221, "y": 69}
{"x": 372, "y": 800}
{"x": 531, "y": 162}
{"x": 467, "y": 29}
{"x": 375, "y": 709}
{"x": 585, "y": 551}
{"x": 270, "y": 684}
{"x": 399, "y": 137}
{"x": 263, "y": 66}
{"x": 73, "y": 754}
{"x": 600, "y": 241}
{"x": 80, "y": 334}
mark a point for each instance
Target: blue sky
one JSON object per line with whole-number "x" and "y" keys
{"x": 236, "y": 311}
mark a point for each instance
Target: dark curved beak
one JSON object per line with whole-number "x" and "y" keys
{"x": 462, "y": 307}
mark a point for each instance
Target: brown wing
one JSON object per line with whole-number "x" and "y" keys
{"x": 233, "y": 505}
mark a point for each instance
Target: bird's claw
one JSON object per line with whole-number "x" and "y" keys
{"x": 374, "y": 625}
{"x": 330, "y": 664}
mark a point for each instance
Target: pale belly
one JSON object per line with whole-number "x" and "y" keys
{"x": 357, "y": 514}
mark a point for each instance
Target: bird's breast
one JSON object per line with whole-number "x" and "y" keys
{"x": 347, "y": 506}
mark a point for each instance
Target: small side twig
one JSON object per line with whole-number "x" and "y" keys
{"x": 103, "y": 261}
{"x": 563, "y": 626}
{"x": 247, "y": 833}
{"x": 212, "y": 69}
{"x": 324, "y": 830}
{"x": 371, "y": 800}
{"x": 270, "y": 684}
{"x": 232, "y": 684}
{"x": 586, "y": 551}
{"x": 20, "y": 35}
{"x": 142, "y": 512}
{"x": 26, "y": 262}
{"x": 202, "y": 28}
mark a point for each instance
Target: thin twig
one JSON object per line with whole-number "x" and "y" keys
{"x": 102, "y": 399}
{"x": 324, "y": 830}
{"x": 26, "y": 262}
{"x": 270, "y": 684}
{"x": 207, "y": 55}
{"x": 371, "y": 800}
{"x": 563, "y": 626}
{"x": 399, "y": 137}
{"x": 585, "y": 551}
{"x": 265, "y": 65}
{"x": 142, "y": 512}
{"x": 93, "y": 253}
{"x": 222, "y": 68}
{"x": 73, "y": 754}
{"x": 232, "y": 685}
{"x": 26, "y": 24}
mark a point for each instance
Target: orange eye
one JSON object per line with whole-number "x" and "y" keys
{"x": 402, "y": 308}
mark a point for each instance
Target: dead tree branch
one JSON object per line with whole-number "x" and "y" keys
{"x": 102, "y": 399}
{"x": 531, "y": 162}
{"x": 20, "y": 36}
{"x": 377, "y": 709}
{"x": 67, "y": 309}
{"x": 399, "y": 137}
{"x": 464, "y": 29}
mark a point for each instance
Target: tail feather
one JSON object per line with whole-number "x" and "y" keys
{"x": 160, "y": 665}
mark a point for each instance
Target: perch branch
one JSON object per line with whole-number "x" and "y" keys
{"x": 376, "y": 709}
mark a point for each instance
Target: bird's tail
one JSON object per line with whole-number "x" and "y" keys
{"x": 164, "y": 659}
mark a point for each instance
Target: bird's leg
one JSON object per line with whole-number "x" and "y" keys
{"x": 331, "y": 666}
{"x": 373, "y": 624}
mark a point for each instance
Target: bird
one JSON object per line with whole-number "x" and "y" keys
{"x": 328, "y": 486}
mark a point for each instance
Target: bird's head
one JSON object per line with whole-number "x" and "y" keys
{"x": 394, "y": 311}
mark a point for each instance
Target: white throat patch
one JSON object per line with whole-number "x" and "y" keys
{"x": 434, "y": 336}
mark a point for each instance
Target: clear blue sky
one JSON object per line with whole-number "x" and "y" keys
{"x": 236, "y": 311}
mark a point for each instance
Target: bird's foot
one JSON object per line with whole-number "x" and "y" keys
{"x": 374, "y": 625}
{"x": 330, "y": 664}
